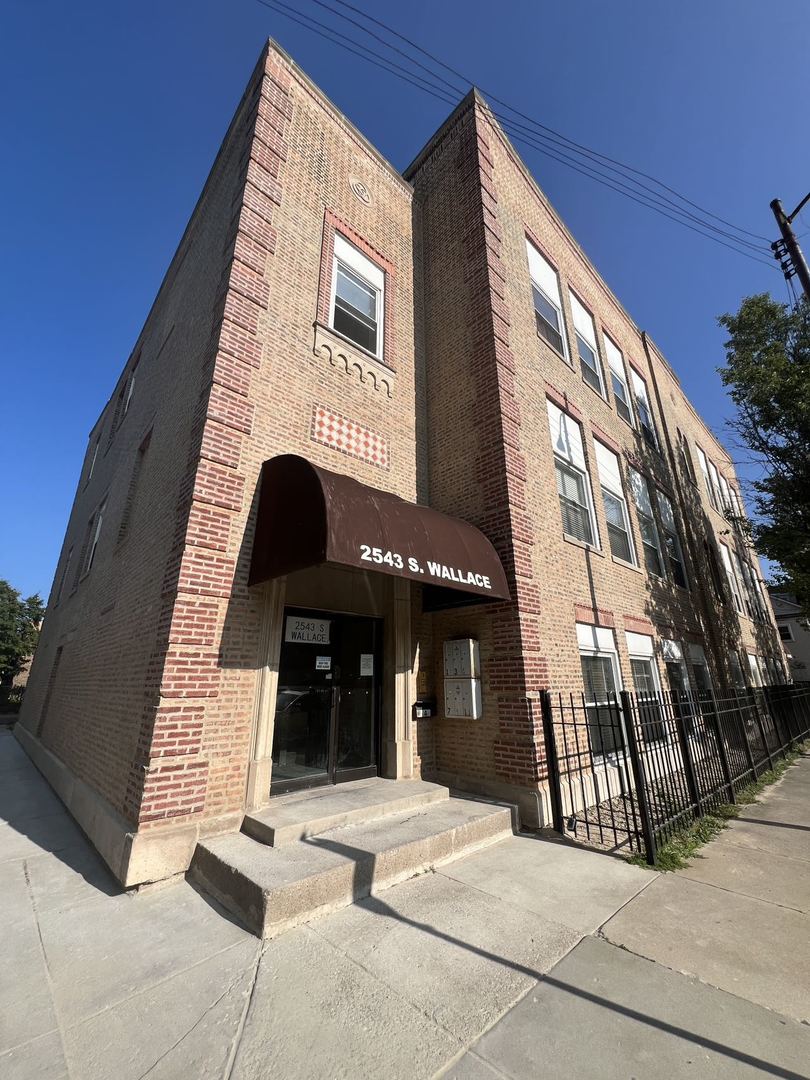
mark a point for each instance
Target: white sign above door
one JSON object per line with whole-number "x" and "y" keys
{"x": 304, "y": 631}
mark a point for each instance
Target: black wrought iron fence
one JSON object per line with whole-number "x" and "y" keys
{"x": 629, "y": 772}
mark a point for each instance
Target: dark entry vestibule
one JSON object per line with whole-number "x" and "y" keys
{"x": 327, "y": 726}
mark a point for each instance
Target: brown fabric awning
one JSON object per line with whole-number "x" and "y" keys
{"x": 308, "y": 515}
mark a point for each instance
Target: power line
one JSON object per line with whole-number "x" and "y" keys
{"x": 537, "y": 123}
{"x": 616, "y": 183}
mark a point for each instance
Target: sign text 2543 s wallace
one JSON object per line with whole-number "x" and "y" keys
{"x": 433, "y": 569}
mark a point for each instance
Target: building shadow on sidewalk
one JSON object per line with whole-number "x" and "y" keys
{"x": 29, "y": 808}
{"x": 364, "y": 872}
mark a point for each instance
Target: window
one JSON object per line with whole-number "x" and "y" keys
{"x": 618, "y": 380}
{"x": 586, "y": 346}
{"x": 647, "y": 686}
{"x": 700, "y": 671}
{"x": 715, "y": 478}
{"x": 602, "y": 683}
{"x": 759, "y": 596}
{"x": 786, "y": 632}
{"x": 731, "y": 577}
{"x": 683, "y": 705}
{"x": 573, "y": 485}
{"x": 133, "y": 487}
{"x": 704, "y": 468}
{"x": 748, "y": 590}
{"x": 714, "y": 570}
{"x": 725, "y": 496}
{"x": 64, "y": 576}
{"x": 735, "y": 667}
{"x": 736, "y": 503}
{"x": 644, "y": 411}
{"x": 686, "y": 457}
{"x": 93, "y": 536}
{"x": 129, "y": 392}
{"x": 772, "y": 670}
{"x": 93, "y": 457}
{"x": 755, "y": 670}
{"x": 357, "y": 297}
{"x": 547, "y": 302}
{"x": 618, "y": 522}
{"x": 671, "y": 540}
{"x": 651, "y": 543}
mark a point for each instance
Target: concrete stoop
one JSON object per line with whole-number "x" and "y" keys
{"x": 335, "y": 847}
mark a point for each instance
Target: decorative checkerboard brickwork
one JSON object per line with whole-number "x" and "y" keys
{"x": 348, "y": 437}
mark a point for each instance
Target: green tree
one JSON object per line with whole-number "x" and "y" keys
{"x": 767, "y": 371}
{"x": 19, "y": 630}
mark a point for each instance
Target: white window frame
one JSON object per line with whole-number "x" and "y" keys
{"x": 600, "y": 641}
{"x": 94, "y": 536}
{"x": 736, "y": 668}
{"x": 64, "y": 577}
{"x": 128, "y": 395}
{"x": 667, "y": 512}
{"x": 686, "y": 456}
{"x": 585, "y": 329}
{"x": 567, "y": 447}
{"x": 725, "y": 496}
{"x": 641, "y": 647}
{"x": 785, "y": 626}
{"x": 371, "y": 275}
{"x": 704, "y": 468}
{"x": 755, "y": 670}
{"x": 546, "y": 280}
{"x": 608, "y": 467}
{"x": 93, "y": 460}
{"x": 731, "y": 577}
{"x": 618, "y": 374}
{"x": 697, "y": 657}
{"x": 715, "y": 476}
{"x": 643, "y": 400}
{"x": 641, "y": 490}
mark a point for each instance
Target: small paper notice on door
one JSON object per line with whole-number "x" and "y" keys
{"x": 366, "y": 663}
{"x": 323, "y": 663}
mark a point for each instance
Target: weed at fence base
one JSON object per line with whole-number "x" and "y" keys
{"x": 685, "y": 844}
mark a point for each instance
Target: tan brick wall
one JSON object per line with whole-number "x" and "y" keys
{"x": 112, "y": 624}
{"x": 152, "y": 703}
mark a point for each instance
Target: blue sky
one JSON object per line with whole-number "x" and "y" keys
{"x": 113, "y": 112}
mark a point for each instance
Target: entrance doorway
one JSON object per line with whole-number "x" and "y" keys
{"x": 328, "y": 703}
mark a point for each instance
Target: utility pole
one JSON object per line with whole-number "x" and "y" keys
{"x": 787, "y": 251}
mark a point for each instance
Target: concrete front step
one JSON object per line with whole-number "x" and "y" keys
{"x": 309, "y": 813}
{"x": 273, "y": 889}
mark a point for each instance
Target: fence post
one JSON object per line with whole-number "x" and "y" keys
{"x": 640, "y": 778}
{"x": 552, "y": 761}
{"x": 749, "y": 753}
{"x": 688, "y": 764}
{"x": 721, "y": 750}
{"x": 752, "y": 695}
{"x": 777, "y": 718}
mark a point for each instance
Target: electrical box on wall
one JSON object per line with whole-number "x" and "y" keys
{"x": 462, "y": 659}
{"x": 462, "y": 682}
{"x": 462, "y": 698}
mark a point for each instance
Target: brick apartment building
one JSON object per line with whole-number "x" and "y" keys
{"x": 370, "y": 414}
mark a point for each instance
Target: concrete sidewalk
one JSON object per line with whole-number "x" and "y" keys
{"x": 526, "y": 959}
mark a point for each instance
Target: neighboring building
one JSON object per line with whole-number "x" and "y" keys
{"x": 793, "y": 624}
{"x": 370, "y": 415}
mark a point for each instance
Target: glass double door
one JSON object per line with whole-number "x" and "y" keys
{"x": 327, "y": 708}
